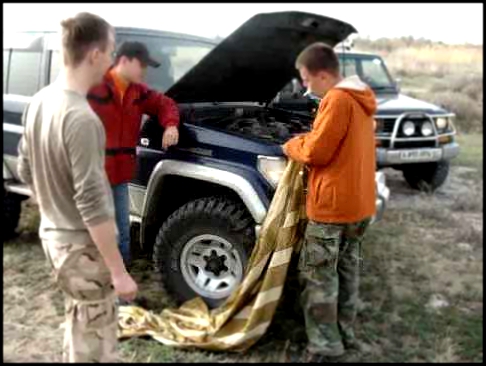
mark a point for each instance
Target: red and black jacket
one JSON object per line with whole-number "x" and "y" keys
{"x": 122, "y": 122}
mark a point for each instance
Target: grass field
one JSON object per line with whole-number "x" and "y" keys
{"x": 421, "y": 290}
{"x": 422, "y": 282}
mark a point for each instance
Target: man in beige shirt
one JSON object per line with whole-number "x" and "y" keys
{"x": 61, "y": 158}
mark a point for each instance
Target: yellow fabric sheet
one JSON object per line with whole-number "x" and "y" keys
{"x": 246, "y": 315}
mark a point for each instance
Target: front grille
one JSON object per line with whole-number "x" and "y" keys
{"x": 384, "y": 143}
{"x": 385, "y": 125}
{"x": 413, "y": 144}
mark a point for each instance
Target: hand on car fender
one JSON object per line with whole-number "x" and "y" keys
{"x": 170, "y": 137}
{"x": 283, "y": 150}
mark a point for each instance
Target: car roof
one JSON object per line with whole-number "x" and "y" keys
{"x": 137, "y": 31}
{"x": 355, "y": 53}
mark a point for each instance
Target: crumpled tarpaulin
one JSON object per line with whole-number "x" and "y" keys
{"x": 246, "y": 315}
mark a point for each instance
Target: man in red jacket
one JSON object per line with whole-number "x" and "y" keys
{"x": 120, "y": 101}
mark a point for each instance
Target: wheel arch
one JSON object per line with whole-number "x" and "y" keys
{"x": 195, "y": 181}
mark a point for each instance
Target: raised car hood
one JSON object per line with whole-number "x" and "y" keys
{"x": 256, "y": 61}
{"x": 397, "y": 104}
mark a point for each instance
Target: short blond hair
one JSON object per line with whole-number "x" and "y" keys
{"x": 80, "y": 34}
{"x": 318, "y": 57}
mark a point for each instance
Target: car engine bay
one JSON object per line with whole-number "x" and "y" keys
{"x": 277, "y": 127}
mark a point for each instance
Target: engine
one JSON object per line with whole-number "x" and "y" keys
{"x": 268, "y": 128}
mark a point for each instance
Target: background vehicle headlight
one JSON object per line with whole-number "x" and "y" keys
{"x": 272, "y": 168}
{"x": 441, "y": 123}
{"x": 427, "y": 129}
{"x": 409, "y": 128}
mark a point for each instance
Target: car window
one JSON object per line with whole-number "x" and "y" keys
{"x": 176, "y": 56}
{"x": 24, "y": 72}
{"x": 348, "y": 66}
{"x": 374, "y": 72}
{"x": 5, "y": 69}
{"x": 55, "y": 66}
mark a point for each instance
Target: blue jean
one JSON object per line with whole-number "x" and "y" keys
{"x": 122, "y": 215}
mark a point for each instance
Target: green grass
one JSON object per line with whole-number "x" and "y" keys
{"x": 396, "y": 322}
{"x": 149, "y": 351}
{"x": 408, "y": 257}
{"x": 471, "y": 154}
{"x": 396, "y": 284}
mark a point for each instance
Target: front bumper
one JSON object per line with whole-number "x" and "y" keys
{"x": 388, "y": 157}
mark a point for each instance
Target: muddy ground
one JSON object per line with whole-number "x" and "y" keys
{"x": 421, "y": 289}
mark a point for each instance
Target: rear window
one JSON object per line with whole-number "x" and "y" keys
{"x": 348, "y": 67}
{"x": 23, "y": 74}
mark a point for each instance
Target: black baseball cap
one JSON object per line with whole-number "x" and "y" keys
{"x": 136, "y": 50}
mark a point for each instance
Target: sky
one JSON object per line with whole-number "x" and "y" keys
{"x": 448, "y": 23}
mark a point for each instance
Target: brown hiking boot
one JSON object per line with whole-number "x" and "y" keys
{"x": 357, "y": 346}
{"x": 310, "y": 356}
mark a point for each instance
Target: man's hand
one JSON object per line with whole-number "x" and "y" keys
{"x": 170, "y": 137}
{"x": 125, "y": 286}
{"x": 283, "y": 149}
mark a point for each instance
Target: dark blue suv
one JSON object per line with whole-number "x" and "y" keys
{"x": 200, "y": 204}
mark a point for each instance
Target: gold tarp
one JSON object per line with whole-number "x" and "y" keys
{"x": 245, "y": 316}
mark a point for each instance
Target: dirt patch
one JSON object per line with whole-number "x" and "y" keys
{"x": 33, "y": 307}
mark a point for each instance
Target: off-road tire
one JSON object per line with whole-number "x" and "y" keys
{"x": 426, "y": 177}
{"x": 11, "y": 214}
{"x": 211, "y": 215}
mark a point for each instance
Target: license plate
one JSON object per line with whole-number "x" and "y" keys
{"x": 421, "y": 155}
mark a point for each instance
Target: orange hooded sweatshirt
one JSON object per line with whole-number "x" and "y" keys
{"x": 340, "y": 154}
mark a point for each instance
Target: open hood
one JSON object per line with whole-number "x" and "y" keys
{"x": 256, "y": 61}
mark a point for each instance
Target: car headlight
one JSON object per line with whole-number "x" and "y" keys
{"x": 409, "y": 128}
{"x": 272, "y": 168}
{"x": 441, "y": 123}
{"x": 427, "y": 129}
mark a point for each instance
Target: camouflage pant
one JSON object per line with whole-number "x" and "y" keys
{"x": 329, "y": 267}
{"x": 91, "y": 312}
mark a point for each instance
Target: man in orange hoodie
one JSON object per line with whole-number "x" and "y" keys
{"x": 339, "y": 152}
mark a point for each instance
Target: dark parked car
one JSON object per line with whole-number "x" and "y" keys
{"x": 199, "y": 204}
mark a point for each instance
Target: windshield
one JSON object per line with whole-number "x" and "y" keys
{"x": 176, "y": 56}
{"x": 371, "y": 69}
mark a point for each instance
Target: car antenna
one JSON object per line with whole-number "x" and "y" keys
{"x": 343, "y": 58}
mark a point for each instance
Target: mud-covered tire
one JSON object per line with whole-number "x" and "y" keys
{"x": 426, "y": 177}
{"x": 210, "y": 234}
{"x": 11, "y": 214}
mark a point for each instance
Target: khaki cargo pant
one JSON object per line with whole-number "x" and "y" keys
{"x": 329, "y": 266}
{"x": 91, "y": 311}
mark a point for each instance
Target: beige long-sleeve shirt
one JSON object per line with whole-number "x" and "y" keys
{"x": 61, "y": 158}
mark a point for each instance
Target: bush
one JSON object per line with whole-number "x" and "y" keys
{"x": 474, "y": 90}
{"x": 469, "y": 113}
{"x": 472, "y": 85}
